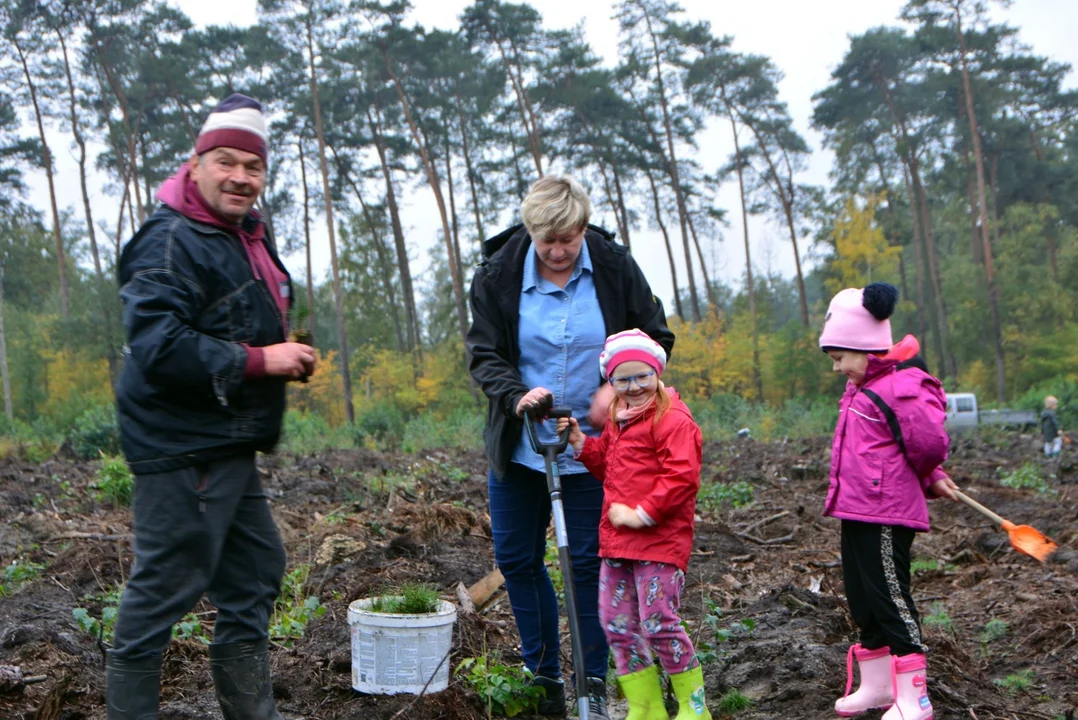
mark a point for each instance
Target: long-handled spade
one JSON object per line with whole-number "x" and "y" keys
{"x": 550, "y": 452}
{"x": 1024, "y": 539}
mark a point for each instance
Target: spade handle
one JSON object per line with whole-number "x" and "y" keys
{"x": 980, "y": 508}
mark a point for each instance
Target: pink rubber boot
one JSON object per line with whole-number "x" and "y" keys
{"x": 910, "y": 689}
{"x": 876, "y": 690}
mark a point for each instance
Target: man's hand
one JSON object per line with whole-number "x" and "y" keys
{"x": 600, "y": 406}
{"x": 944, "y": 488}
{"x": 290, "y": 360}
{"x": 532, "y": 399}
{"x": 576, "y": 437}
{"x": 624, "y": 516}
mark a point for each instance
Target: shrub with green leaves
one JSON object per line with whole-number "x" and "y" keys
{"x": 18, "y": 573}
{"x": 381, "y": 422}
{"x": 96, "y": 432}
{"x": 1027, "y": 477}
{"x": 409, "y": 599}
{"x": 716, "y": 496}
{"x": 100, "y": 628}
{"x": 294, "y": 607}
{"x": 308, "y": 433}
{"x": 506, "y": 691}
{"x": 190, "y": 628}
{"x": 114, "y": 482}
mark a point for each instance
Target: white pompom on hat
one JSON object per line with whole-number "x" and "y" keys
{"x": 631, "y": 345}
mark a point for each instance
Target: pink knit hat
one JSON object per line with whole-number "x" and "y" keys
{"x": 858, "y": 319}
{"x": 631, "y": 345}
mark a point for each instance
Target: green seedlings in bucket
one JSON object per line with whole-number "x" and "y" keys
{"x": 732, "y": 701}
{"x": 411, "y": 599}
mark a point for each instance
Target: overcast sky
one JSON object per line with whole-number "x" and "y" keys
{"x": 805, "y": 40}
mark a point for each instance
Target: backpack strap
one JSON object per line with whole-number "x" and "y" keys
{"x": 889, "y": 415}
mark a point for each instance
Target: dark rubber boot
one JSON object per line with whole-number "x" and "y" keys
{"x": 553, "y": 703}
{"x": 241, "y": 675}
{"x": 132, "y": 687}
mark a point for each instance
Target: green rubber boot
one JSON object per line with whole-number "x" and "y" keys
{"x": 645, "y": 695}
{"x": 689, "y": 691}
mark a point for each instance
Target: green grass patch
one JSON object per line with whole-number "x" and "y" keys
{"x": 1012, "y": 684}
{"x": 733, "y": 701}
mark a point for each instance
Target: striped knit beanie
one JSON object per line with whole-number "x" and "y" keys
{"x": 237, "y": 122}
{"x": 631, "y": 345}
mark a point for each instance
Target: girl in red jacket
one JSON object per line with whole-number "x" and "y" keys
{"x": 878, "y": 490}
{"x": 648, "y": 459}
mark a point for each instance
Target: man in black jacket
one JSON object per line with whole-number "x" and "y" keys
{"x": 206, "y": 303}
{"x": 543, "y": 301}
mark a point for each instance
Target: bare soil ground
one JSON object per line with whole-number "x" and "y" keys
{"x": 364, "y": 521}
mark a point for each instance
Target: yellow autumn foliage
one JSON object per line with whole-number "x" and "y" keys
{"x": 862, "y": 253}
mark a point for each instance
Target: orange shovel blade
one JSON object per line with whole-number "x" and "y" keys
{"x": 1029, "y": 541}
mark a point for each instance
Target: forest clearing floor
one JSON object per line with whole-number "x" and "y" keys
{"x": 763, "y": 599}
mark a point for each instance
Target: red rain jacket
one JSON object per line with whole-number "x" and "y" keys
{"x": 656, "y": 467}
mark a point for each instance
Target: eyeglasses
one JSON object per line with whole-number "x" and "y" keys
{"x": 643, "y": 380}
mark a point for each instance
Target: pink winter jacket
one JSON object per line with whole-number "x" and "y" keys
{"x": 871, "y": 480}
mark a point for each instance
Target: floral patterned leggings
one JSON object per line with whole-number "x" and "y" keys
{"x": 638, "y": 604}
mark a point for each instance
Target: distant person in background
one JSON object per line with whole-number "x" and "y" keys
{"x": 1053, "y": 436}
{"x": 544, "y": 300}
{"x": 205, "y": 312}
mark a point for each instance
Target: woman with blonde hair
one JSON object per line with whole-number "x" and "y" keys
{"x": 544, "y": 299}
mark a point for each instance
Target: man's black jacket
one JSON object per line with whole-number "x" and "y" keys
{"x": 625, "y": 299}
{"x": 190, "y": 304}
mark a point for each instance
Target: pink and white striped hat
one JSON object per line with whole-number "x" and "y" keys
{"x": 631, "y": 345}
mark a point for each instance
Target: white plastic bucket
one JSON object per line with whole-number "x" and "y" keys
{"x": 399, "y": 653}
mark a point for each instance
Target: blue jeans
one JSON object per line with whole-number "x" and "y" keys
{"x": 519, "y": 517}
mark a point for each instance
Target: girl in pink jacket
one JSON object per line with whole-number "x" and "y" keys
{"x": 885, "y": 461}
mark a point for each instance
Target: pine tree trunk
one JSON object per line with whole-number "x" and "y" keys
{"x": 989, "y": 271}
{"x": 311, "y": 324}
{"x": 76, "y": 130}
{"x": 466, "y": 147}
{"x": 757, "y": 375}
{"x": 708, "y": 284}
{"x": 918, "y": 251}
{"x": 338, "y": 297}
{"x": 453, "y": 220}
{"x": 621, "y": 205}
{"x": 666, "y": 240}
{"x": 403, "y": 268}
{"x": 609, "y": 189}
{"x": 672, "y": 167}
{"x": 436, "y": 188}
{"x": 46, "y": 159}
{"x": 4, "y": 372}
{"x": 384, "y": 269}
{"x": 931, "y": 253}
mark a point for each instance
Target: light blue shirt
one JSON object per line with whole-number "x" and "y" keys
{"x": 561, "y": 335}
